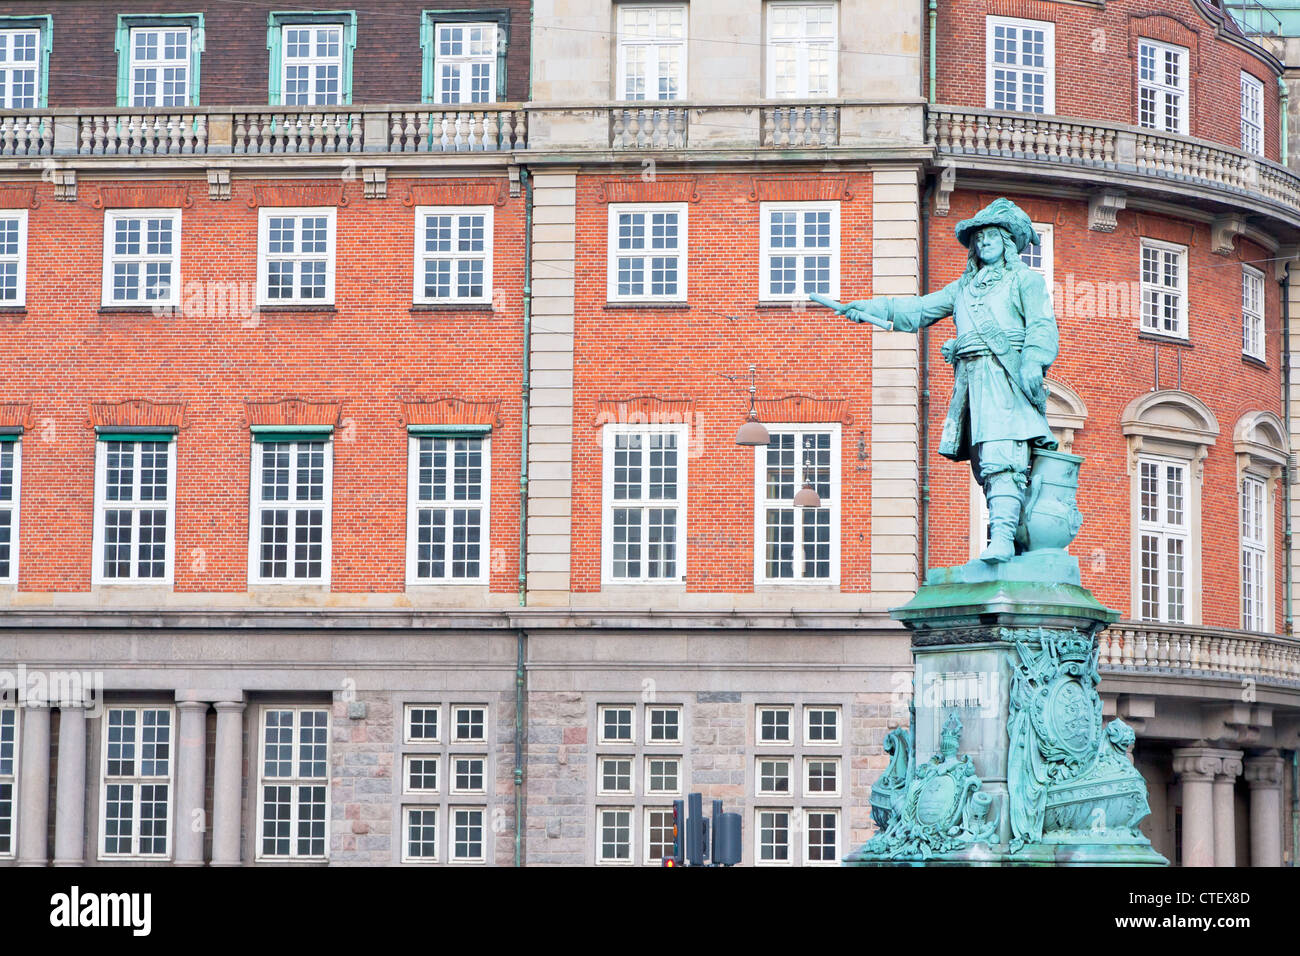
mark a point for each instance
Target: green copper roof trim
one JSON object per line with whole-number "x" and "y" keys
{"x": 276, "y": 20}
{"x": 44, "y": 23}
{"x": 128, "y": 21}
{"x": 458, "y": 430}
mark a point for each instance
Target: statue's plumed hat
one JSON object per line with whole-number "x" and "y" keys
{"x": 1004, "y": 213}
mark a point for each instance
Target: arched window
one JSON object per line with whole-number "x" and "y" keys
{"x": 1259, "y": 440}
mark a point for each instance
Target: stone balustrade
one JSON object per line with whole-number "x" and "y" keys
{"x": 1198, "y": 651}
{"x": 659, "y": 127}
{"x": 796, "y": 127}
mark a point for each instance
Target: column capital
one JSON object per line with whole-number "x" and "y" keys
{"x": 193, "y": 705}
{"x": 229, "y": 706}
{"x": 1198, "y": 763}
{"x": 1231, "y": 769}
{"x": 1265, "y": 771}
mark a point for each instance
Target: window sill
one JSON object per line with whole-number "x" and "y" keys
{"x": 646, "y": 304}
{"x": 452, "y": 307}
{"x": 1252, "y": 360}
{"x": 787, "y": 305}
{"x": 159, "y": 311}
{"x": 273, "y": 309}
{"x": 13, "y": 310}
{"x": 1164, "y": 339}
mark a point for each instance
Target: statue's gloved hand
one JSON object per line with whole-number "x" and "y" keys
{"x": 1031, "y": 379}
{"x": 875, "y": 311}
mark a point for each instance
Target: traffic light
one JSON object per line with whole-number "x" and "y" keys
{"x": 675, "y": 858}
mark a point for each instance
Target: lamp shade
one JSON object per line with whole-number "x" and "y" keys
{"x": 752, "y": 432}
{"x": 807, "y": 497}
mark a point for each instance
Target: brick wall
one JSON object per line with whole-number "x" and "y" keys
{"x": 1108, "y": 363}
{"x": 1096, "y": 60}
{"x": 386, "y": 65}
{"x": 62, "y": 354}
{"x": 683, "y": 353}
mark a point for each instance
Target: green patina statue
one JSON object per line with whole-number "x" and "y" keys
{"x": 1006, "y": 338}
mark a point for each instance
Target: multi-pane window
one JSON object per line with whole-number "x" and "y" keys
{"x": 135, "y": 484}
{"x": 1020, "y": 68}
{"x": 615, "y": 774}
{"x": 466, "y": 54}
{"x": 651, "y": 52}
{"x": 420, "y": 843}
{"x": 136, "y": 782}
{"x": 1164, "y": 288}
{"x": 801, "y": 50}
{"x": 291, "y": 511}
{"x": 663, "y": 725}
{"x": 13, "y": 257}
{"x": 821, "y": 725}
{"x": 8, "y": 778}
{"x": 634, "y": 773}
{"x": 448, "y": 509}
{"x": 422, "y": 723}
{"x": 453, "y": 254}
{"x": 616, "y": 725}
{"x": 420, "y": 774}
{"x": 1038, "y": 256}
{"x": 1252, "y": 312}
{"x": 1163, "y": 528}
{"x": 772, "y": 836}
{"x": 294, "y": 783}
{"x": 821, "y": 830}
{"x": 774, "y": 725}
{"x": 142, "y": 257}
{"x": 467, "y": 774}
{"x": 663, "y": 775}
{"x": 11, "y": 453}
{"x": 647, "y": 252}
{"x": 658, "y": 834}
{"x": 20, "y": 69}
{"x": 800, "y": 252}
{"x": 821, "y": 776}
{"x": 1254, "y": 554}
{"x": 295, "y": 256}
{"x": 645, "y": 514}
{"x": 467, "y": 834}
{"x": 772, "y": 776}
{"x": 312, "y": 64}
{"x": 614, "y": 835}
{"x": 469, "y": 723}
{"x": 797, "y": 544}
{"x": 1252, "y": 114}
{"x": 1162, "y": 86}
{"x": 160, "y": 66}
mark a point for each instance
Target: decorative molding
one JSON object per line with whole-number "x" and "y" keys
{"x": 1264, "y": 772}
{"x": 1103, "y": 209}
{"x": 674, "y": 189}
{"x": 292, "y": 411}
{"x": 19, "y": 197}
{"x": 375, "y": 181}
{"x": 800, "y": 409}
{"x": 769, "y": 189}
{"x": 1150, "y": 227}
{"x": 1172, "y": 417}
{"x": 482, "y": 192}
{"x": 1066, "y": 411}
{"x": 65, "y": 185}
{"x": 15, "y": 415}
{"x": 643, "y": 410}
{"x": 947, "y": 186}
{"x": 512, "y": 171}
{"x": 137, "y": 413}
{"x": 1259, "y": 440}
{"x": 1224, "y": 231}
{"x": 286, "y": 194}
{"x": 218, "y": 184}
{"x": 448, "y": 410}
{"x": 144, "y": 197}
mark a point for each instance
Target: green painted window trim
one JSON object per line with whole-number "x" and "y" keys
{"x": 44, "y": 23}
{"x": 429, "y": 19}
{"x": 126, "y": 434}
{"x": 11, "y": 436}
{"x": 276, "y": 21}
{"x": 448, "y": 431}
{"x": 126, "y": 22}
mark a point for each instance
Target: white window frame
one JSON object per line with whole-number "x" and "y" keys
{"x": 834, "y": 859}
{"x": 136, "y": 780}
{"x": 650, "y": 775}
{"x": 436, "y": 760}
{"x": 1163, "y": 90}
{"x": 803, "y": 46}
{"x": 1046, "y": 253}
{"x": 1256, "y": 552}
{"x": 464, "y": 63}
{"x": 1252, "y": 313}
{"x": 415, "y": 506}
{"x": 604, "y": 759}
{"x": 760, "y": 790}
{"x": 600, "y": 725}
{"x": 19, "y": 259}
{"x": 1153, "y": 322}
{"x": 293, "y": 506}
{"x": 808, "y": 760}
{"x": 159, "y": 66}
{"x": 1252, "y": 114}
{"x": 657, "y": 52}
{"x": 455, "y": 257}
{"x": 788, "y": 710}
{"x": 143, "y": 259}
{"x": 647, "y": 252}
{"x": 807, "y": 725}
{"x": 646, "y": 841}
{"x": 650, "y": 740}
{"x": 11, "y": 779}
{"x": 407, "y": 810}
{"x": 1164, "y": 531}
{"x": 609, "y": 503}
{"x": 264, "y": 216}
{"x": 456, "y": 737}
{"x": 293, "y": 782}
{"x": 601, "y": 859}
{"x": 407, "y": 710}
{"x": 454, "y": 827}
{"x": 830, "y": 502}
{"x": 790, "y": 830}
{"x": 453, "y": 775}
{"x": 134, "y": 505}
{"x": 8, "y": 67}
{"x": 1047, "y": 70}
{"x": 314, "y": 63}
{"x": 13, "y": 507}
{"x": 799, "y": 252}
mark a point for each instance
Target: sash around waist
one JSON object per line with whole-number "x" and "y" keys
{"x": 971, "y": 344}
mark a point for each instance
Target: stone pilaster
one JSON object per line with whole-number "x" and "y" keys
{"x": 191, "y": 768}
{"x": 227, "y": 783}
{"x": 1264, "y": 775}
{"x": 34, "y": 788}
{"x": 1197, "y": 768}
{"x": 70, "y": 809}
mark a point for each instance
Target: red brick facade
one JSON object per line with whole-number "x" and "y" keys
{"x": 365, "y": 358}
{"x": 1096, "y": 60}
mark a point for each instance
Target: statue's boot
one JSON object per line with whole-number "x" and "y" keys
{"x": 1004, "y": 515}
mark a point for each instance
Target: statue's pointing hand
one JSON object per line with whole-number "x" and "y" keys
{"x": 874, "y": 311}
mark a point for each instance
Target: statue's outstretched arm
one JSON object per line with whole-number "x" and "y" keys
{"x": 902, "y": 314}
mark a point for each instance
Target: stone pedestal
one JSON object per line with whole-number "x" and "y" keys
{"x": 1008, "y": 761}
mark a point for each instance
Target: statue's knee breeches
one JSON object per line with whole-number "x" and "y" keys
{"x": 999, "y": 463}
